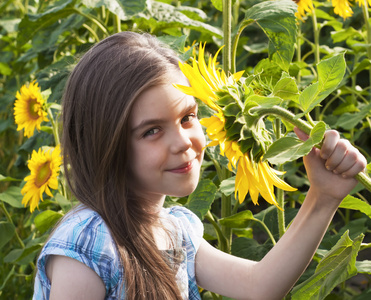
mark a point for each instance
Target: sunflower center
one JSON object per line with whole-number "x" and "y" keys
{"x": 33, "y": 109}
{"x": 43, "y": 174}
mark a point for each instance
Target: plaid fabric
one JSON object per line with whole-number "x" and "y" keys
{"x": 83, "y": 235}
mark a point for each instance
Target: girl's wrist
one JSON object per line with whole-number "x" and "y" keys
{"x": 322, "y": 202}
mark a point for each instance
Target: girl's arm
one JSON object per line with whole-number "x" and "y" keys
{"x": 330, "y": 172}
{"x": 71, "y": 279}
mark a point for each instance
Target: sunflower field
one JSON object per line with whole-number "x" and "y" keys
{"x": 282, "y": 63}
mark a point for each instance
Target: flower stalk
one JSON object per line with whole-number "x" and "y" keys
{"x": 283, "y": 113}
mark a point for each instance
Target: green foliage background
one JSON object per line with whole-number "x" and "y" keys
{"x": 41, "y": 40}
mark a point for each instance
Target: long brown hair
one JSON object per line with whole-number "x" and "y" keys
{"x": 97, "y": 103}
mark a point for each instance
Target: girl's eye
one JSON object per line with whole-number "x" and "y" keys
{"x": 151, "y": 132}
{"x": 189, "y": 117}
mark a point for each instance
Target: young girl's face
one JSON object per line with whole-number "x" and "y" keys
{"x": 167, "y": 142}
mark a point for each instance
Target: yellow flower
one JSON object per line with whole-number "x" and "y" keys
{"x": 44, "y": 166}
{"x": 206, "y": 80}
{"x": 362, "y": 2}
{"x": 251, "y": 177}
{"x": 304, "y": 6}
{"x": 342, "y": 8}
{"x": 258, "y": 178}
{"x": 28, "y": 109}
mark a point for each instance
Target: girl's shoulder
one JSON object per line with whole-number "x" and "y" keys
{"x": 187, "y": 222}
{"x": 84, "y": 236}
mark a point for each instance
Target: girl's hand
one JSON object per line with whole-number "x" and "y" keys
{"x": 332, "y": 168}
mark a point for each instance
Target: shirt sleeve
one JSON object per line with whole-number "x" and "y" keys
{"x": 191, "y": 225}
{"x": 86, "y": 238}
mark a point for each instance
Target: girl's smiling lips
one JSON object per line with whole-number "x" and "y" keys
{"x": 183, "y": 168}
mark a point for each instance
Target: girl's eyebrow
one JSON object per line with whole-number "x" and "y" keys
{"x": 157, "y": 121}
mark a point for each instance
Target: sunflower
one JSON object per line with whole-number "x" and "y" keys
{"x": 342, "y": 8}
{"x": 304, "y": 6}
{"x": 44, "y": 166}
{"x": 363, "y": 2}
{"x": 213, "y": 87}
{"x": 28, "y": 109}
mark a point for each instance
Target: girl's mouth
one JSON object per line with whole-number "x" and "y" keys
{"x": 184, "y": 168}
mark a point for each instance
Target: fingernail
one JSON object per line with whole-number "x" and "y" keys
{"x": 335, "y": 172}
{"x": 328, "y": 168}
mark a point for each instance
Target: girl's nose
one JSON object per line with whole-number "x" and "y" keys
{"x": 180, "y": 141}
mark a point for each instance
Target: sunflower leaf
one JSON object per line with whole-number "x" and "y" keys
{"x": 124, "y": 9}
{"x": 238, "y": 220}
{"x": 277, "y": 20}
{"x": 337, "y": 266}
{"x": 291, "y": 148}
{"x": 330, "y": 73}
{"x": 201, "y": 199}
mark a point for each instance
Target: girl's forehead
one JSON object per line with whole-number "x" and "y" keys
{"x": 160, "y": 102}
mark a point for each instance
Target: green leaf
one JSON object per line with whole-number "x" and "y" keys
{"x": 330, "y": 73}
{"x": 177, "y": 43}
{"x": 337, "y": 266}
{"x": 5, "y": 69}
{"x": 291, "y": 148}
{"x": 13, "y": 197}
{"x": 46, "y": 220}
{"x": 231, "y": 110}
{"x": 63, "y": 202}
{"x": 23, "y": 256}
{"x": 124, "y": 9}
{"x": 349, "y": 121}
{"x": 354, "y": 203}
{"x": 286, "y": 88}
{"x": 201, "y": 199}
{"x": 263, "y": 101}
{"x": 249, "y": 249}
{"x": 218, "y": 4}
{"x": 49, "y": 36}
{"x": 363, "y": 65}
{"x": 3, "y": 178}
{"x": 32, "y": 24}
{"x": 343, "y": 35}
{"x": 277, "y": 20}
{"x": 7, "y": 231}
{"x": 238, "y": 220}
{"x": 162, "y": 16}
{"x": 364, "y": 266}
{"x": 227, "y": 186}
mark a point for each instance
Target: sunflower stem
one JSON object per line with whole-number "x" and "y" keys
{"x": 226, "y": 211}
{"x": 266, "y": 229}
{"x": 227, "y": 30}
{"x": 279, "y": 192}
{"x": 368, "y": 31}
{"x": 54, "y": 127}
{"x": 9, "y": 218}
{"x": 18, "y": 238}
{"x": 287, "y": 115}
{"x": 221, "y": 238}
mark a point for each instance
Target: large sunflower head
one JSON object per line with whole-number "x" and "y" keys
{"x": 242, "y": 138}
{"x": 29, "y": 110}
{"x": 44, "y": 166}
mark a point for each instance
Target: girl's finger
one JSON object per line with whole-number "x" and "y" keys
{"x": 335, "y": 160}
{"x": 359, "y": 164}
{"x": 330, "y": 141}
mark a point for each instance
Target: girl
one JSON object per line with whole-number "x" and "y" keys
{"x": 130, "y": 138}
